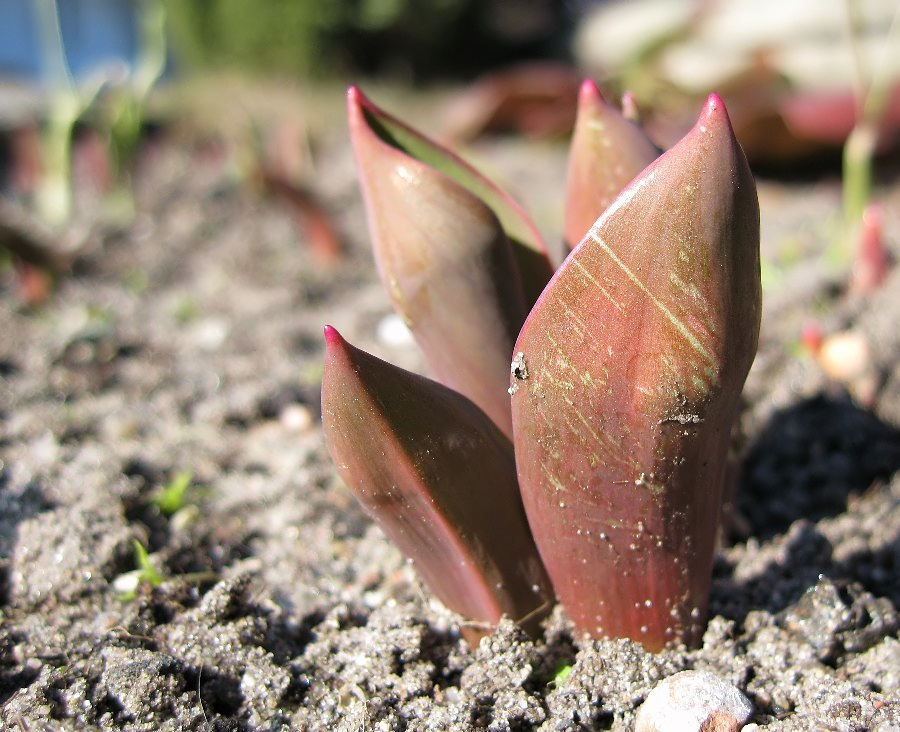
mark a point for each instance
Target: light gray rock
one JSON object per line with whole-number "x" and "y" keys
{"x": 694, "y": 701}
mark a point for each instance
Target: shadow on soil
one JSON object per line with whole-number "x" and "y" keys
{"x": 809, "y": 460}
{"x": 809, "y": 463}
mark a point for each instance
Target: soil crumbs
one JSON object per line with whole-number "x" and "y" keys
{"x": 187, "y": 346}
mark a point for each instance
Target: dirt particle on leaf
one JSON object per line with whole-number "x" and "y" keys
{"x": 519, "y": 369}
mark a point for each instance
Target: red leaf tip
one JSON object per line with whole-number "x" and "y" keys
{"x": 357, "y": 102}
{"x": 332, "y": 337}
{"x": 589, "y": 93}
{"x": 714, "y": 112}
{"x": 713, "y": 103}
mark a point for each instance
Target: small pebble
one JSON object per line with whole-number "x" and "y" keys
{"x": 296, "y": 418}
{"x": 846, "y": 358}
{"x": 392, "y": 331}
{"x": 210, "y": 333}
{"x": 694, "y": 701}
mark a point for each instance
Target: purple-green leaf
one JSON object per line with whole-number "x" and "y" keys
{"x": 444, "y": 255}
{"x": 629, "y": 372}
{"x": 439, "y": 478}
{"x": 607, "y": 152}
{"x": 529, "y": 248}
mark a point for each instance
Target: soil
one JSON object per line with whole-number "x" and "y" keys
{"x": 190, "y": 340}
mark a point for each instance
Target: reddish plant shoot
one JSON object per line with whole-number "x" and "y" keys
{"x": 636, "y": 355}
{"x": 624, "y": 381}
{"x": 608, "y": 150}
{"x": 440, "y": 479}
{"x": 872, "y": 262}
{"x": 460, "y": 260}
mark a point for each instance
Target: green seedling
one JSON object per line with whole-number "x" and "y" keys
{"x": 177, "y": 500}
{"x": 66, "y": 103}
{"x": 186, "y": 310}
{"x": 873, "y": 87}
{"x": 127, "y": 584}
{"x": 581, "y": 429}
{"x": 70, "y": 101}
{"x": 173, "y": 496}
{"x": 862, "y": 232}
{"x": 562, "y": 673}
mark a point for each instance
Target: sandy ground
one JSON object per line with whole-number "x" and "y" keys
{"x": 190, "y": 340}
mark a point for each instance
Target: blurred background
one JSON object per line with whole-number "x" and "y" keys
{"x": 763, "y": 53}
{"x": 102, "y": 75}
{"x": 416, "y": 40}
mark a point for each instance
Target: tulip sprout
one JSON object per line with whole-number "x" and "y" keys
{"x": 576, "y": 446}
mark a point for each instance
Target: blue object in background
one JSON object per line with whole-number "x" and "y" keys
{"x": 95, "y": 33}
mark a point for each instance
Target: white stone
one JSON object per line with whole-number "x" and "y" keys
{"x": 691, "y": 701}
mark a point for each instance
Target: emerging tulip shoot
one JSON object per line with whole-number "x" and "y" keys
{"x": 624, "y": 381}
{"x": 636, "y": 355}
{"x": 440, "y": 478}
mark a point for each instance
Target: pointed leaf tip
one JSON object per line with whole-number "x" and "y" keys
{"x": 332, "y": 336}
{"x": 369, "y": 122}
{"x": 714, "y": 101}
{"x": 358, "y": 103}
{"x": 589, "y": 92}
{"x": 608, "y": 150}
{"x": 714, "y": 112}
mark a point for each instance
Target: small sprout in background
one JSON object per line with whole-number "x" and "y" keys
{"x": 149, "y": 573}
{"x": 172, "y": 497}
{"x": 66, "y": 104}
{"x": 177, "y": 499}
{"x": 310, "y": 216}
{"x": 126, "y": 585}
{"x": 561, "y": 674}
{"x": 616, "y": 380}
{"x": 872, "y": 261}
{"x": 118, "y": 90}
{"x": 111, "y": 101}
{"x": 186, "y": 310}
{"x": 873, "y": 89}
{"x": 129, "y": 101}
{"x": 276, "y": 158}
